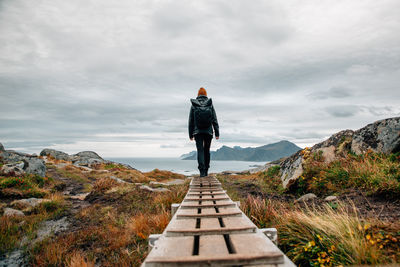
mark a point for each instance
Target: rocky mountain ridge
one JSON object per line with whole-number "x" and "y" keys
{"x": 262, "y": 153}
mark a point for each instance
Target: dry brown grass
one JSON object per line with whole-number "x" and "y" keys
{"x": 143, "y": 225}
{"x": 79, "y": 260}
{"x": 326, "y": 236}
{"x": 160, "y": 175}
{"x": 104, "y": 184}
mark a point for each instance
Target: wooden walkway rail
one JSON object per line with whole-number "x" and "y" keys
{"x": 209, "y": 229}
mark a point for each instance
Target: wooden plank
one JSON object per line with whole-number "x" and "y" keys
{"x": 196, "y": 205}
{"x": 209, "y": 215}
{"x": 213, "y": 250}
{"x": 205, "y": 198}
{"x": 205, "y": 194}
{"x": 208, "y": 226}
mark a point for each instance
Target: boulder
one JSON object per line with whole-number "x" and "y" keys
{"x": 13, "y": 169}
{"x": 86, "y": 158}
{"x": 31, "y": 164}
{"x": 381, "y": 136}
{"x": 87, "y": 162}
{"x": 306, "y": 197}
{"x": 330, "y": 198}
{"x": 27, "y": 202}
{"x": 35, "y": 166}
{"x": 12, "y": 212}
{"x": 55, "y": 154}
{"x": 291, "y": 168}
{"x": 88, "y": 154}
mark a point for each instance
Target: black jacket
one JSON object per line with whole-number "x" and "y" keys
{"x": 193, "y": 129}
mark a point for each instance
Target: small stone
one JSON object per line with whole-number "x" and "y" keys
{"x": 330, "y": 198}
{"x": 148, "y": 188}
{"x": 12, "y": 212}
{"x": 27, "y": 202}
{"x": 306, "y": 197}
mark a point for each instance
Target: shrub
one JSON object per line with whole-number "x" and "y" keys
{"x": 273, "y": 171}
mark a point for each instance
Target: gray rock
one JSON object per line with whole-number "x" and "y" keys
{"x": 15, "y": 258}
{"x": 12, "y": 212}
{"x": 381, "y": 136}
{"x": 13, "y": 169}
{"x": 55, "y": 154}
{"x": 36, "y": 166}
{"x": 89, "y": 162}
{"x": 291, "y": 168}
{"x": 88, "y": 154}
{"x": 86, "y": 158}
{"x": 31, "y": 163}
{"x": 1, "y": 147}
{"x": 51, "y": 227}
{"x": 306, "y": 197}
{"x": 28, "y": 202}
{"x": 330, "y": 198}
{"x": 148, "y": 188}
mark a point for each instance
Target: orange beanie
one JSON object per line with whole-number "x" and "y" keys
{"x": 202, "y": 91}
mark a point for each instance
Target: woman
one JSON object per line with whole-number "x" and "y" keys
{"x": 202, "y": 120}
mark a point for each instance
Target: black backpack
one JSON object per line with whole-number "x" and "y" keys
{"x": 203, "y": 116}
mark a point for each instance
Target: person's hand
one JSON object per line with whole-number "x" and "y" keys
{"x": 191, "y": 138}
{"x": 217, "y": 137}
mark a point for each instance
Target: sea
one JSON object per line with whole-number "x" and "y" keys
{"x": 186, "y": 167}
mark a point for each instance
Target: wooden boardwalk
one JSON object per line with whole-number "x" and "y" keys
{"x": 209, "y": 229}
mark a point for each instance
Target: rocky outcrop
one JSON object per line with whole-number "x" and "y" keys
{"x": 55, "y": 154}
{"x": 84, "y": 158}
{"x": 21, "y": 163}
{"x": 12, "y": 212}
{"x": 27, "y": 203}
{"x": 13, "y": 169}
{"x": 382, "y": 136}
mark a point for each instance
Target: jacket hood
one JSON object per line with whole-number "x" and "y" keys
{"x": 201, "y": 101}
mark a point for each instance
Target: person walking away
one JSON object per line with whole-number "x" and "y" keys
{"x": 202, "y": 121}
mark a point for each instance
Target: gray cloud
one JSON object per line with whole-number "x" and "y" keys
{"x": 343, "y": 110}
{"x": 334, "y": 92}
{"x": 117, "y": 77}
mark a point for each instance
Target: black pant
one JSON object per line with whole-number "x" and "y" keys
{"x": 203, "y": 143}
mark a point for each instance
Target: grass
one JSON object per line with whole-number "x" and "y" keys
{"x": 375, "y": 174}
{"x": 28, "y": 185}
{"x": 13, "y": 229}
{"x": 113, "y": 232}
{"x": 326, "y": 237}
{"x": 159, "y": 175}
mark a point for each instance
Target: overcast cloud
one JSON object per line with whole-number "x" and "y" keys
{"x": 116, "y": 76}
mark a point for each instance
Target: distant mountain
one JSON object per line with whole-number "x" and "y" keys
{"x": 187, "y": 155}
{"x": 262, "y": 153}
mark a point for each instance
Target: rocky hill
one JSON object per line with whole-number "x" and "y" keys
{"x": 268, "y": 152}
{"x": 380, "y": 137}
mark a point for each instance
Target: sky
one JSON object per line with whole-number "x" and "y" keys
{"x": 116, "y": 77}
